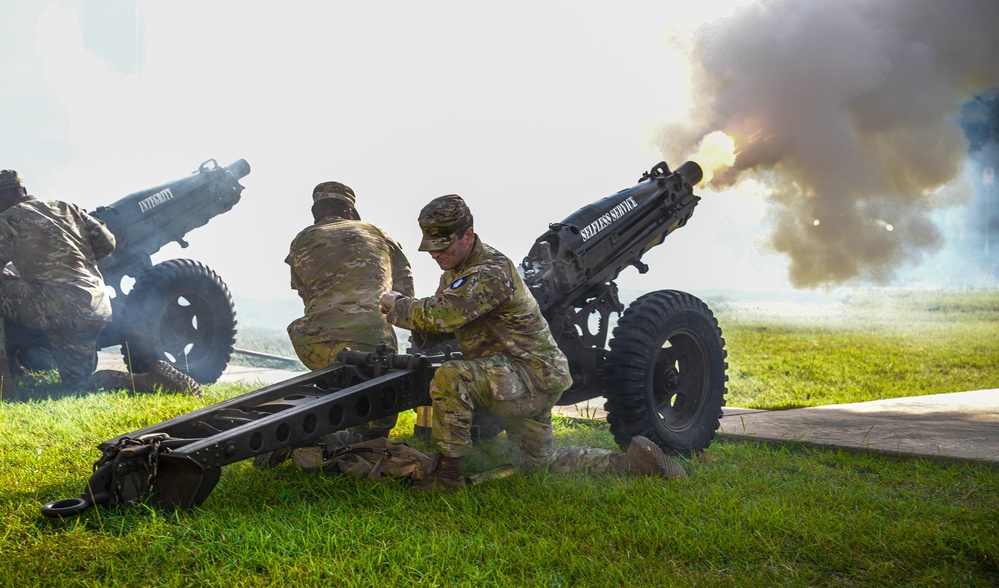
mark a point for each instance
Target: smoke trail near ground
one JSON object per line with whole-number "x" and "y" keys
{"x": 848, "y": 112}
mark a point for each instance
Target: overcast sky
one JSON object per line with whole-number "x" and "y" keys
{"x": 529, "y": 110}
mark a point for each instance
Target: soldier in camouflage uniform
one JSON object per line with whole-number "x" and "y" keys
{"x": 340, "y": 266}
{"x": 511, "y": 365}
{"x": 53, "y": 284}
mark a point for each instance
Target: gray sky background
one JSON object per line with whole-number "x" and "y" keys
{"x": 529, "y": 110}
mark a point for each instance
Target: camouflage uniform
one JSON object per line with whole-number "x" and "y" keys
{"x": 55, "y": 246}
{"x": 511, "y": 365}
{"x": 340, "y": 267}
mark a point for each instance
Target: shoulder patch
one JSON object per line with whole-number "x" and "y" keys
{"x": 458, "y": 283}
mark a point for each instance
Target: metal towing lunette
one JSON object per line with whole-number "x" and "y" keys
{"x": 177, "y": 463}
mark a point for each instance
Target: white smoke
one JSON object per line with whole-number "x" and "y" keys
{"x": 848, "y": 111}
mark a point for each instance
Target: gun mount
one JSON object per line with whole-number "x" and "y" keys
{"x": 664, "y": 374}
{"x": 179, "y": 310}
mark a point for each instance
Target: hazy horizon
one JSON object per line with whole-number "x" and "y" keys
{"x": 529, "y": 111}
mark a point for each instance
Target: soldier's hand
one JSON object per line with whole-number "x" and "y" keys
{"x": 387, "y": 300}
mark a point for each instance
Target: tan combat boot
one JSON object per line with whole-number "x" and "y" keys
{"x": 445, "y": 476}
{"x": 160, "y": 374}
{"x": 167, "y": 377}
{"x": 646, "y": 458}
{"x": 8, "y": 388}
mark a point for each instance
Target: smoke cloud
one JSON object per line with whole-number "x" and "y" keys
{"x": 848, "y": 112}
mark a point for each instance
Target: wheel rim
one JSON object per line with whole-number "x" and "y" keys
{"x": 678, "y": 382}
{"x": 179, "y": 312}
{"x": 186, "y": 329}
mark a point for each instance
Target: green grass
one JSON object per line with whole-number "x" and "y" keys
{"x": 875, "y": 346}
{"x": 748, "y": 515}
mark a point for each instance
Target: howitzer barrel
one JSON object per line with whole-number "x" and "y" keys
{"x": 239, "y": 169}
{"x": 145, "y": 221}
{"x": 593, "y": 245}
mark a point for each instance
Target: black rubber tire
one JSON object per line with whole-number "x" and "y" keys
{"x": 666, "y": 376}
{"x": 181, "y": 312}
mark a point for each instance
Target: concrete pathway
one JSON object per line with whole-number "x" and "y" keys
{"x": 960, "y": 425}
{"x": 233, "y": 373}
{"x": 255, "y": 375}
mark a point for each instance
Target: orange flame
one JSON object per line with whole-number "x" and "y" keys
{"x": 715, "y": 153}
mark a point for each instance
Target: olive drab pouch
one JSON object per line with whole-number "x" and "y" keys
{"x": 372, "y": 459}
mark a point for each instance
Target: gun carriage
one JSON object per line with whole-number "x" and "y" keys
{"x": 179, "y": 310}
{"x": 664, "y": 374}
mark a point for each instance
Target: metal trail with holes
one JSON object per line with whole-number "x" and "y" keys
{"x": 182, "y": 458}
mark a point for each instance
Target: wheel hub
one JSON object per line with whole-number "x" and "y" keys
{"x": 671, "y": 379}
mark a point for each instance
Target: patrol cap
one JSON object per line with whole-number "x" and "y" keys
{"x": 440, "y": 221}
{"x": 335, "y": 191}
{"x": 10, "y": 179}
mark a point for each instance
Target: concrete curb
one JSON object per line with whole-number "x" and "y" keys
{"x": 956, "y": 426}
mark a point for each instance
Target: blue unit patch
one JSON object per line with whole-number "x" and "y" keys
{"x": 458, "y": 283}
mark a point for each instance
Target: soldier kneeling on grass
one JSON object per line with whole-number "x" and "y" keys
{"x": 49, "y": 252}
{"x": 511, "y": 365}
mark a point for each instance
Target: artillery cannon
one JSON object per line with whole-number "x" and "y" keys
{"x": 664, "y": 375}
{"x": 178, "y": 310}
